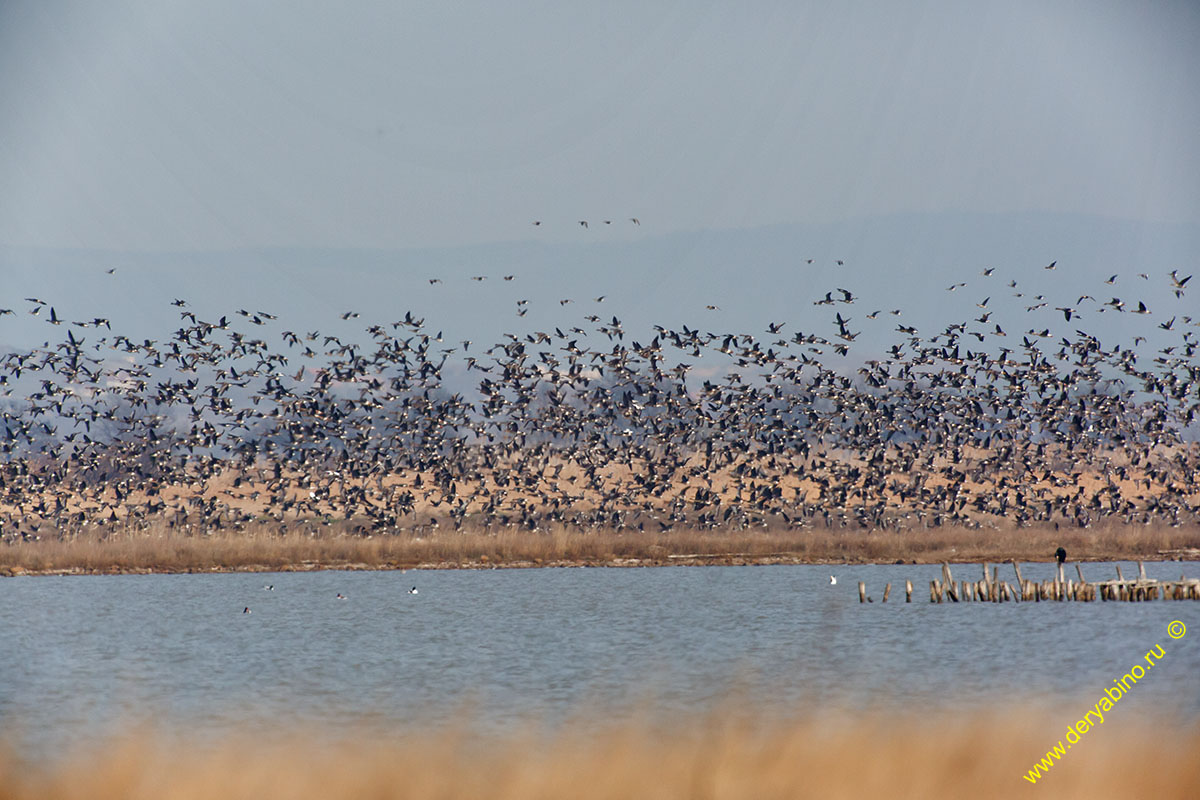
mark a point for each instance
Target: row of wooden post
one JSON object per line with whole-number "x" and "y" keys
{"x": 887, "y": 590}
{"x": 992, "y": 589}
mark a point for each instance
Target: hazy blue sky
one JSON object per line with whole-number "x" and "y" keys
{"x": 195, "y": 126}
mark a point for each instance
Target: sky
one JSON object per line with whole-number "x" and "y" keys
{"x": 133, "y": 126}
{"x": 318, "y": 158}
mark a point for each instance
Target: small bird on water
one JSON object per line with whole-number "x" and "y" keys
{"x": 1061, "y": 555}
{"x": 413, "y": 590}
{"x": 832, "y": 581}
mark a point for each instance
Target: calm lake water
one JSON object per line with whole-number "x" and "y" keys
{"x": 80, "y": 654}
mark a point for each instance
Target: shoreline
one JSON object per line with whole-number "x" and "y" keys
{"x": 160, "y": 549}
{"x": 672, "y": 560}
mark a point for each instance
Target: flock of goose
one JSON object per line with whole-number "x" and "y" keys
{"x": 238, "y": 421}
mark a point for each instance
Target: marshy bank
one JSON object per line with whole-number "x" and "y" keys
{"x": 265, "y": 548}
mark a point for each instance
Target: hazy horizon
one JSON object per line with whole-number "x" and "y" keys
{"x": 317, "y": 161}
{"x": 225, "y": 126}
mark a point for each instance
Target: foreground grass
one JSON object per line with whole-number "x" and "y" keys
{"x": 725, "y": 756}
{"x": 168, "y": 550}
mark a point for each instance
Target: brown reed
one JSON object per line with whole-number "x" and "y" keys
{"x": 160, "y": 548}
{"x": 727, "y": 755}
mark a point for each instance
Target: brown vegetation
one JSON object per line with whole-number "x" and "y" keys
{"x": 263, "y": 547}
{"x": 724, "y": 756}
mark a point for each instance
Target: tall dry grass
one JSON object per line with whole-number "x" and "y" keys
{"x": 724, "y": 756}
{"x": 165, "y": 549}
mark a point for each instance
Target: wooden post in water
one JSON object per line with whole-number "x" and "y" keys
{"x": 948, "y": 580}
{"x": 935, "y": 591}
{"x": 862, "y": 592}
{"x": 907, "y": 591}
{"x": 886, "y": 591}
{"x": 1024, "y": 590}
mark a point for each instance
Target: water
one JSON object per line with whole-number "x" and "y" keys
{"x": 81, "y": 654}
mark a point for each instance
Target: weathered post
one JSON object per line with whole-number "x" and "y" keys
{"x": 948, "y": 580}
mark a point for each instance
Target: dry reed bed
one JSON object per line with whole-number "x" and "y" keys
{"x": 164, "y": 549}
{"x": 724, "y": 756}
{"x": 249, "y": 492}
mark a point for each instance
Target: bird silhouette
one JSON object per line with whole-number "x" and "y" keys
{"x": 229, "y": 424}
